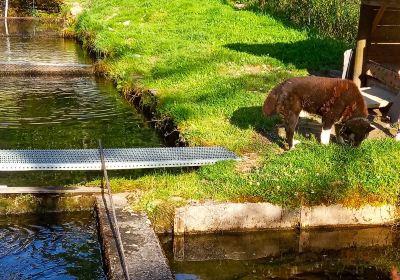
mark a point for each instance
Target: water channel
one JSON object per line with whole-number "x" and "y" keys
{"x": 50, "y": 246}
{"x": 59, "y": 112}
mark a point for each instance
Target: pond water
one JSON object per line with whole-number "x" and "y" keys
{"x": 57, "y": 112}
{"x": 370, "y": 253}
{"x": 50, "y": 246}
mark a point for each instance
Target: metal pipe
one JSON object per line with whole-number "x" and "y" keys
{"x": 6, "y": 9}
{"x": 120, "y": 246}
{"x": 8, "y": 43}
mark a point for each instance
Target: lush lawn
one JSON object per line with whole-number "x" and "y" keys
{"x": 211, "y": 67}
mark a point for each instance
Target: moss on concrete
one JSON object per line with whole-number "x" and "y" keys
{"x": 21, "y": 204}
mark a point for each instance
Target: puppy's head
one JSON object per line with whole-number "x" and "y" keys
{"x": 354, "y": 131}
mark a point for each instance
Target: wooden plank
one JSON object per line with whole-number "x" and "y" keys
{"x": 384, "y": 53}
{"x": 367, "y": 15}
{"x": 387, "y": 76}
{"x": 378, "y": 3}
{"x": 378, "y": 17}
{"x": 391, "y": 17}
{"x": 377, "y": 97}
{"x": 386, "y": 34}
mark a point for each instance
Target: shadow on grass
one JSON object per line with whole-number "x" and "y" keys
{"x": 252, "y": 117}
{"x": 312, "y": 54}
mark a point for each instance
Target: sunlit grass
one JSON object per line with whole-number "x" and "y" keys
{"x": 212, "y": 67}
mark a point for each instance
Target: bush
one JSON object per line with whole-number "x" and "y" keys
{"x": 28, "y": 7}
{"x": 334, "y": 18}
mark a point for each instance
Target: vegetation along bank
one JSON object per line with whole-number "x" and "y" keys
{"x": 207, "y": 66}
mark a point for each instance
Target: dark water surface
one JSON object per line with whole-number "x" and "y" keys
{"x": 50, "y": 112}
{"x": 370, "y": 253}
{"x": 50, "y": 246}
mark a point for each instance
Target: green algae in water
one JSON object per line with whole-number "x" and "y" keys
{"x": 66, "y": 113}
{"x": 50, "y": 246}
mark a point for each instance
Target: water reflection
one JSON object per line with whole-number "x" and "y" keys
{"x": 35, "y": 41}
{"x": 56, "y": 112}
{"x": 62, "y": 113}
{"x": 50, "y": 246}
{"x": 369, "y": 253}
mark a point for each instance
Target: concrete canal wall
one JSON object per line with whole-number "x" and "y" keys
{"x": 206, "y": 218}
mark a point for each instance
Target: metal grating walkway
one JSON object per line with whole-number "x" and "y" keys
{"x": 131, "y": 158}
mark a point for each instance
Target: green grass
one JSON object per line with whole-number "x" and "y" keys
{"x": 212, "y": 66}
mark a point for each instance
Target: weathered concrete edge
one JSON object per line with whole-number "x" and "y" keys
{"x": 111, "y": 260}
{"x": 16, "y": 204}
{"x": 24, "y": 200}
{"x": 208, "y": 218}
{"x": 144, "y": 256}
{"x": 50, "y": 190}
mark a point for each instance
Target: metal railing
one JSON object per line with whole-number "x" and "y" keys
{"x": 114, "y": 222}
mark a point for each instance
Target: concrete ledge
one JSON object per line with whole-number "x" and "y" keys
{"x": 28, "y": 68}
{"x": 107, "y": 240}
{"x": 44, "y": 203}
{"x": 144, "y": 256}
{"x": 258, "y": 216}
{"x": 233, "y": 217}
{"x": 50, "y": 190}
{"x": 337, "y": 215}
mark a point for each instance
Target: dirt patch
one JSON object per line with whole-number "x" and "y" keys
{"x": 248, "y": 162}
{"x": 236, "y": 71}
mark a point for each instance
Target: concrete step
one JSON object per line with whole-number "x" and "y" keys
{"x": 30, "y": 68}
{"x": 377, "y": 97}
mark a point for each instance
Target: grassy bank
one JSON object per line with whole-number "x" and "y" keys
{"x": 211, "y": 67}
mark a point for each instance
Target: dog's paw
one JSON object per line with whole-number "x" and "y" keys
{"x": 295, "y": 142}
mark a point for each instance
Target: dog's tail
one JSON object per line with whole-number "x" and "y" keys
{"x": 271, "y": 103}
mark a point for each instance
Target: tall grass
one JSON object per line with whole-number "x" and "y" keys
{"x": 334, "y": 18}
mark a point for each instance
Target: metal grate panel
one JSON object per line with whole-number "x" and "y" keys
{"x": 131, "y": 158}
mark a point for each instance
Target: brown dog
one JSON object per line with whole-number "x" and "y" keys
{"x": 336, "y": 101}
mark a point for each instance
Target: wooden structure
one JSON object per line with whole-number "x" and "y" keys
{"x": 377, "y": 58}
